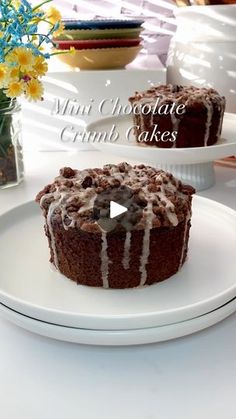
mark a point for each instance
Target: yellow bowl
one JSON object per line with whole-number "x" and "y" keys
{"x": 100, "y": 58}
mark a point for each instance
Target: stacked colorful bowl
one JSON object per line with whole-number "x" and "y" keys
{"x": 100, "y": 44}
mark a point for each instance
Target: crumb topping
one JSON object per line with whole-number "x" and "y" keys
{"x": 164, "y": 201}
{"x": 187, "y": 95}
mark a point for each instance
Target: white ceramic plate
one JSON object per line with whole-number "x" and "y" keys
{"x": 153, "y": 155}
{"x": 29, "y": 285}
{"x": 119, "y": 337}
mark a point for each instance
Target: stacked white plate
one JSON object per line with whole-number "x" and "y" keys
{"x": 37, "y": 298}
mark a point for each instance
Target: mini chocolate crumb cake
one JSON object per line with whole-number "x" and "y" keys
{"x": 194, "y": 114}
{"x": 149, "y": 247}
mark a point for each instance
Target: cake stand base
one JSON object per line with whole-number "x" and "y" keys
{"x": 201, "y": 176}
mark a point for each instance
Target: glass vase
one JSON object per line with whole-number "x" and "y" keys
{"x": 11, "y": 156}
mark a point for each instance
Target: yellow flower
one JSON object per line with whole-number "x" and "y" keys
{"x": 53, "y": 15}
{"x": 16, "y": 3}
{"x": 15, "y": 89}
{"x": 59, "y": 30}
{"x": 23, "y": 57}
{"x": 10, "y": 58}
{"x": 13, "y": 74}
{"x": 3, "y": 75}
{"x": 40, "y": 66}
{"x": 1, "y": 34}
{"x": 34, "y": 90}
{"x": 39, "y": 18}
{"x": 72, "y": 50}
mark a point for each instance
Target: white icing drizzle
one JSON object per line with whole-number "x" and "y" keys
{"x": 170, "y": 208}
{"x": 104, "y": 261}
{"x": 126, "y": 256}
{"x": 142, "y": 126}
{"x": 184, "y": 239}
{"x": 151, "y": 119}
{"x": 60, "y": 200}
{"x": 172, "y": 215}
{"x": 89, "y": 204}
{"x": 221, "y": 109}
{"x": 51, "y": 210}
{"x": 209, "y": 109}
{"x": 175, "y": 126}
{"x": 53, "y": 206}
{"x": 62, "y": 206}
{"x": 146, "y": 244}
{"x": 150, "y": 216}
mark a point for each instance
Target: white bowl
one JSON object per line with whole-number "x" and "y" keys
{"x": 203, "y": 52}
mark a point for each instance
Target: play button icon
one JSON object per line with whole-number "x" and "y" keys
{"x": 116, "y": 209}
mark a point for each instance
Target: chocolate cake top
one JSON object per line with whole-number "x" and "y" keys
{"x": 163, "y": 200}
{"x": 188, "y": 95}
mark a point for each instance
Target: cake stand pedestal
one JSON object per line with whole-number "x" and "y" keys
{"x": 191, "y": 165}
{"x": 200, "y": 175}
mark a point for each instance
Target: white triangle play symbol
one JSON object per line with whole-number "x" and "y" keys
{"x": 116, "y": 209}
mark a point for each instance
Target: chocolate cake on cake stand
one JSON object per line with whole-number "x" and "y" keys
{"x": 192, "y": 165}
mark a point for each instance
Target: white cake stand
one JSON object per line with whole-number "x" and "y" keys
{"x": 191, "y": 165}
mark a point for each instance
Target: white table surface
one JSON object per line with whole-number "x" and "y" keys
{"x": 188, "y": 378}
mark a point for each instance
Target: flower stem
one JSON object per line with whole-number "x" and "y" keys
{"x": 41, "y": 4}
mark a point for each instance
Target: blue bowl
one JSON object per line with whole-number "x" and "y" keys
{"x": 102, "y": 23}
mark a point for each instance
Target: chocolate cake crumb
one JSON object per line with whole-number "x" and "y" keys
{"x": 151, "y": 247}
{"x": 67, "y": 172}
